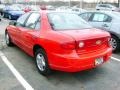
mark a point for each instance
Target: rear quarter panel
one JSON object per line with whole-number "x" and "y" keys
{"x": 51, "y": 42}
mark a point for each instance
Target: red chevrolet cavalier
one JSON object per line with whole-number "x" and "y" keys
{"x": 59, "y": 41}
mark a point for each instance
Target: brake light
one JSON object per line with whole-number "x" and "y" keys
{"x": 70, "y": 45}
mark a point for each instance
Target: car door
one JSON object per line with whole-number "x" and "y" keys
{"x": 19, "y": 27}
{"x": 100, "y": 20}
{"x": 30, "y": 32}
{"x": 107, "y": 23}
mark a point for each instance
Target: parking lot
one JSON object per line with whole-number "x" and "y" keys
{"x": 105, "y": 77}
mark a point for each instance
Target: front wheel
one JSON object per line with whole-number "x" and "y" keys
{"x": 42, "y": 62}
{"x": 115, "y": 42}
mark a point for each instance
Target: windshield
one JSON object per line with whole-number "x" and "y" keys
{"x": 67, "y": 21}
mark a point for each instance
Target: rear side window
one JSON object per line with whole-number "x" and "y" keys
{"x": 21, "y": 20}
{"x": 33, "y": 20}
{"x": 99, "y": 17}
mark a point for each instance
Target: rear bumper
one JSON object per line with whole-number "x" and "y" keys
{"x": 74, "y": 62}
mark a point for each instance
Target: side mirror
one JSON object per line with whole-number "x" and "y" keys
{"x": 12, "y": 23}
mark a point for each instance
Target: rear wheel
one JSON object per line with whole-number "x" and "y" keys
{"x": 8, "y": 40}
{"x": 42, "y": 62}
{"x": 115, "y": 42}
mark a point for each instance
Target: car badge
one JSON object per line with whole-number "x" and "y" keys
{"x": 98, "y": 42}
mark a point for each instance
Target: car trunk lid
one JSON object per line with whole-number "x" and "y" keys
{"x": 93, "y": 39}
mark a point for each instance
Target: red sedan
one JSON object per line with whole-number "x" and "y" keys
{"x": 59, "y": 41}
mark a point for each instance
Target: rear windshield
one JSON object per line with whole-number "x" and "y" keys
{"x": 67, "y": 21}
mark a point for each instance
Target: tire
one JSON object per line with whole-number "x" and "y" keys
{"x": 8, "y": 40}
{"x": 42, "y": 62}
{"x": 115, "y": 42}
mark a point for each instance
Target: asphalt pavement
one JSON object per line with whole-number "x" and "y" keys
{"x": 105, "y": 77}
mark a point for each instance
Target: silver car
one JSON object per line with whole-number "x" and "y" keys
{"x": 107, "y": 7}
{"x": 106, "y": 20}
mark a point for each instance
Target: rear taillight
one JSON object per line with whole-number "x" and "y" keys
{"x": 69, "y": 45}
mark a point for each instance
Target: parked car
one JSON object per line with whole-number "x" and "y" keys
{"x": 58, "y": 42}
{"x": 107, "y": 7}
{"x": 12, "y": 13}
{"x": 108, "y": 21}
{"x": 80, "y": 10}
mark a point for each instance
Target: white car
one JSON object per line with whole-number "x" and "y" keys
{"x": 107, "y": 7}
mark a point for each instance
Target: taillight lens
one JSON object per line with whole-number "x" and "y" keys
{"x": 70, "y": 45}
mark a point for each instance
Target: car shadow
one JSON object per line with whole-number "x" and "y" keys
{"x": 80, "y": 78}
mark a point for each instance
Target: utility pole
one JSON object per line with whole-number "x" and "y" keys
{"x": 81, "y": 3}
{"x": 118, "y": 3}
{"x": 69, "y": 3}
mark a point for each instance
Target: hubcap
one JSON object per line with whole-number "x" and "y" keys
{"x": 113, "y": 43}
{"x": 40, "y": 62}
{"x": 7, "y": 39}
